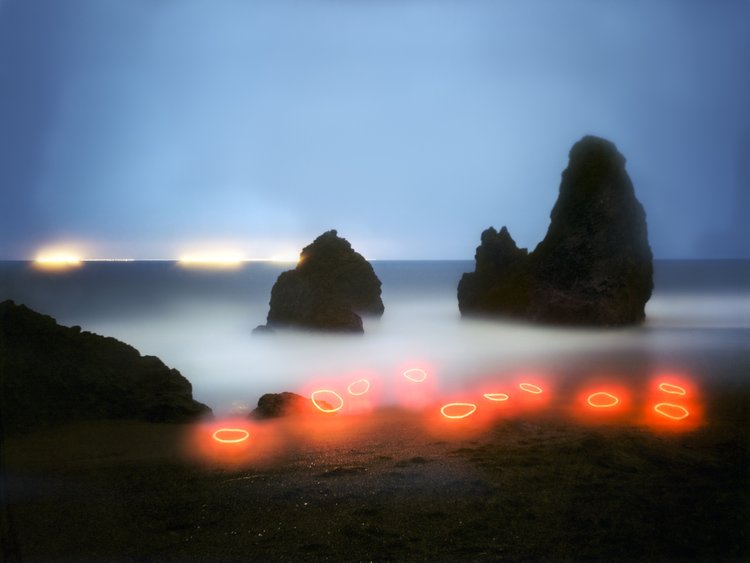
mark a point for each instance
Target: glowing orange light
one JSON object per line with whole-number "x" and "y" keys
{"x": 496, "y": 396}
{"x": 672, "y": 389}
{"x": 670, "y": 410}
{"x": 416, "y": 375}
{"x": 464, "y": 410}
{"x": 530, "y": 388}
{"x": 322, "y": 408}
{"x": 236, "y": 435}
{"x": 359, "y": 387}
{"x": 602, "y": 400}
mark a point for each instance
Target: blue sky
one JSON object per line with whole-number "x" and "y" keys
{"x": 152, "y": 128}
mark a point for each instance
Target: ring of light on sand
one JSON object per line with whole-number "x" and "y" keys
{"x": 469, "y": 407}
{"x": 240, "y": 435}
{"x": 679, "y": 412}
{"x": 530, "y": 388}
{"x": 672, "y": 389}
{"x": 322, "y": 408}
{"x": 602, "y": 400}
{"x": 359, "y": 387}
{"x": 416, "y": 375}
{"x": 496, "y": 396}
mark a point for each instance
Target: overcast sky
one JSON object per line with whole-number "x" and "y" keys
{"x": 152, "y": 128}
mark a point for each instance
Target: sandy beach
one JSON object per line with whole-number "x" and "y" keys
{"x": 387, "y": 486}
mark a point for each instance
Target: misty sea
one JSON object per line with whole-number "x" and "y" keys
{"x": 200, "y": 322}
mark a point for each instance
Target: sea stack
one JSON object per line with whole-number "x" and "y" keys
{"x": 52, "y": 374}
{"x": 329, "y": 289}
{"x": 594, "y": 266}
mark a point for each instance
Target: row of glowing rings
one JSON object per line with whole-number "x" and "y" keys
{"x": 599, "y": 400}
{"x": 467, "y": 409}
{"x": 358, "y": 388}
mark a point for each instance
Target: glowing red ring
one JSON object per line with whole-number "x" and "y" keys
{"x": 472, "y": 408}
{"x": 323, "y": 409}
{"x": 613, "y": 400}
{"x": 497, "y": 397}
{"x": 420, "y": 376}
{"x": 243, "y": 435}
{"x": 359, "y": 381}
{"x": 684, "y": 414}
{"x": 672, "y": 389}
{"x": 530, "y": 388}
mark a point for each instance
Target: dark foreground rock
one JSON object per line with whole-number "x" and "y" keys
{"x": 51, "y": 373}
{"x": 276, "y": 405}
{"x": 594, "y": 266}
{"x": 329, "y": 289}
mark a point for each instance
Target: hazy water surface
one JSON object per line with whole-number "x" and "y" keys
{"x": 200, "y": 322}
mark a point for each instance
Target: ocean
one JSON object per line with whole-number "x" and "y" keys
{"x": 200, "y": 322}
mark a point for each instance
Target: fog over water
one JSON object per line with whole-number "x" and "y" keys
{"x": 201, "y": 321}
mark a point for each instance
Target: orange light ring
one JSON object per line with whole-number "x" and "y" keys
{"x": 419, "y": 378}
{"x": 672, "y": 389}
{"x": 497, "y": 397}
{"x": 530, "y": 388}
{"x": 613, "y": 400}
{"x": 471, "y": 406}
{"x": 658, "y": 409}
{"x": 359, "y": 381}
{"x": 244, "y": 435}
{"x": 323, "y": 409}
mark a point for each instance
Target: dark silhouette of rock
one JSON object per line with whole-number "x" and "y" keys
{"x": 275, "y": 405}
{"x": 51, "y": 373}
{"x": 329, "y": 289}
{"x": 594, "y": 266}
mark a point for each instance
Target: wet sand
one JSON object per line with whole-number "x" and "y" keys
{"x": 387, "y": 486}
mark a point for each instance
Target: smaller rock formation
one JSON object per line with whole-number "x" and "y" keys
{"x": 53, "y": 374}
{"x": 594, "y": 266}
{"x": 329, "y": 289}
{"x": 275, "y": 405}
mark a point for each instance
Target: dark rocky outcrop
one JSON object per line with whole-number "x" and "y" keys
{"x": 275, "y": 405}
{"x": 329, "y": 289}
{"x": 594, "y": 266}
{"x": 50, "y": 374}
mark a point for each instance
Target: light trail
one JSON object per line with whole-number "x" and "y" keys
{"x": 469, "y": 409}
{"x": 322, "y": 408}
{"x": 416, "y": 375}
{"x": 602, "y": 400}
{"x": 240, "y": 435}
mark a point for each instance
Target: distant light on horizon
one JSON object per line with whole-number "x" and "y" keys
{"x": 58, "y": 260}
{"x": 211, "y": 260}
{"x": 285, "y": 258}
